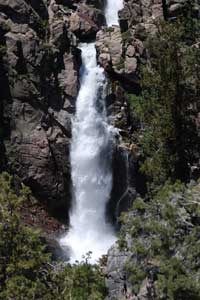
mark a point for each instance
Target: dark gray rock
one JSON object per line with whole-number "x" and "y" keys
{"x": 120, "y": 54}
{"x": 53, "y": 247}
{"x": 124, "y": 185}
{"x": 179, "y": 7}
{"x": 97, "y": 3}
{"x": 40, "y": 85}
{"x": 86, "y": 21}
{"x": 116, "y": 277}
{"x": 22, "y": 12}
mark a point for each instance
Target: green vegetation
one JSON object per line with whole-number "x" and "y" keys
{"x": 168, "y": 105}
{"x": 48, "y": 48}
{"x": 3, "y": 50}
{"x": 5, "y": 27}
{"x": 41, "y": 26}
{"x": 162, "y": 230}
{"x": 81, "y": 281}
{"x": 120, "y": 64}
{"x": 165, "y": 242}
{"x": 22, "y": 254}
{"x": 44, "y": 24}
{"x": 127, "y": 36}
{"x": 26, "y": 269}
{"x": 109, "y": 29}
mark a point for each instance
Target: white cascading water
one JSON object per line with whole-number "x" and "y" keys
{"x": 91, "y": 153}
{"x": 111, "y": 12}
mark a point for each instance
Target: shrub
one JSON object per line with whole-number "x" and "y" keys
{"x": 26, "y": 269}
{"x": 165, "y": 242}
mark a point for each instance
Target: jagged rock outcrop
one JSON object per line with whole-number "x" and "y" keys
{"x": 86, "y": 21}
{"x": 120, "y": 54}
{"x": 121, "y": 50}
{"x": 116, "y": 275}
{"x": 83, "y": 18}
{"x": 40, "y": 65}
{"x": 137, "y": 13}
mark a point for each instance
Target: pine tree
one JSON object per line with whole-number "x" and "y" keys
{"x": 170, "y": 101}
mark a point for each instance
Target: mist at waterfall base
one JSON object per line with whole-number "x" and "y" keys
{"x": 91, "y": 151}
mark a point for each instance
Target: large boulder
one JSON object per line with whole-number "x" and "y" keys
{"x": 86, "y": 21}
{"x": 137, "y": 12}
{"x": 116, "y": 278}
{"x": 121, "y": 49}
{"x": 120, "y": 54}
{"x": 22, "y": 12}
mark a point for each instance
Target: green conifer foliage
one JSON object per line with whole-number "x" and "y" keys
{"x": 26, "y": 269}
{"x": 22, "y": 253}
{"x": 165, "y": 243}
{"x": 170, "y": 101}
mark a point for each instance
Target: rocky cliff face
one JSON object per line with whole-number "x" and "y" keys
{"x": 121, "y": 52}
{"x": 39, "y": 79}
{"x": 39, "y": 76}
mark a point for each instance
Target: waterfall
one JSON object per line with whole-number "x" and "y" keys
{"x": 91, "y": 151}
{"x": 111, "y": 12}
{"x": 91, "y": 155}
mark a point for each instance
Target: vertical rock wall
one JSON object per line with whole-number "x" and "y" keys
{"x": 39, "y": 76}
